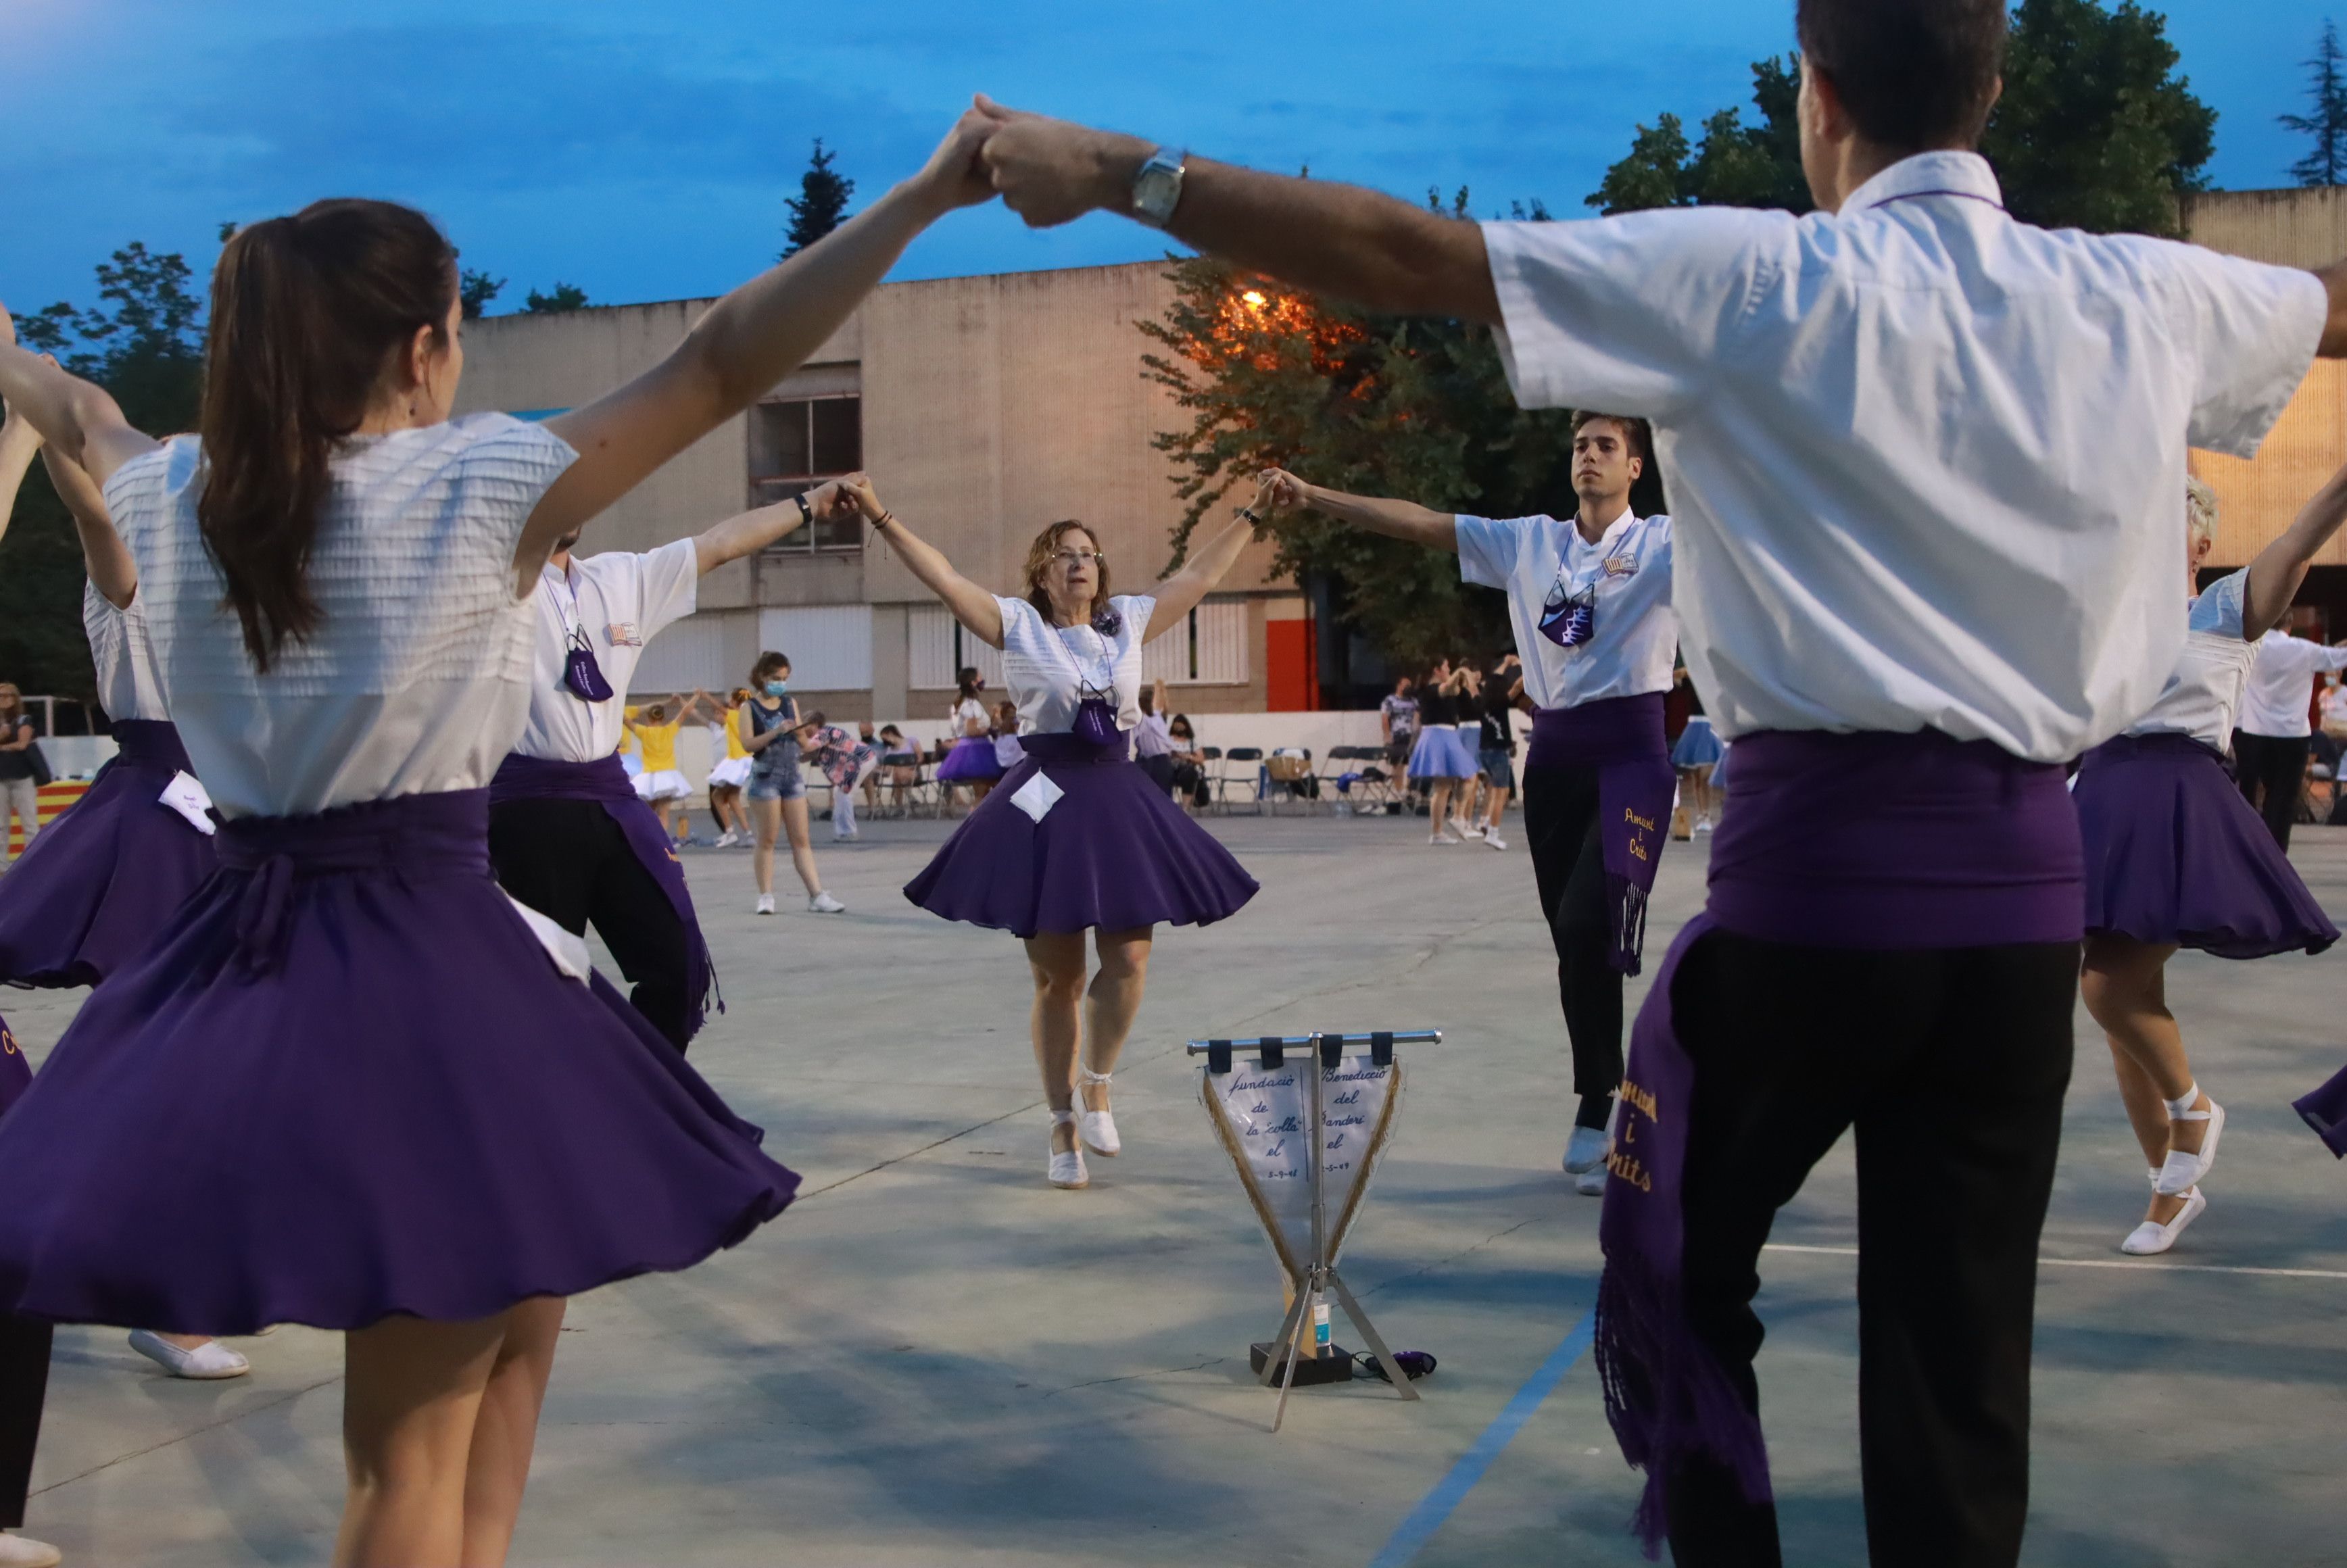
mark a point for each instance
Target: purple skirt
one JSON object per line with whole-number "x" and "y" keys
{"x": 346, "y": 1081}
{"x": 1113, "y": 853}
{"x": 2174, "y": 854}
{"x": 972, "y": 760}
{"x": 95, "y": 886}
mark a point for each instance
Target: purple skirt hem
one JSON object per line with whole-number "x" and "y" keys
{"x": 1114, "y": 854}
{"x": 2174, "y": 854}
{"x": 95, "y": 886}
{"x": 971, "y": 761}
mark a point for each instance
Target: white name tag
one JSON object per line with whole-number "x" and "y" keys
{"x": 1037, "y": 796}
{"x": 623, "y": 634}
{"x": 186, "y": 797}
{"x": 569, "y": 952}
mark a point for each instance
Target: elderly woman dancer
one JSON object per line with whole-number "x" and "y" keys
{"x": 2176, "y": 857}
{"x": 1076, "y": 838}
{"x": 337, "y": 582}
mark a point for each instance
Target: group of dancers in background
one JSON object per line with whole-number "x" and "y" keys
{"x": 363, "y": 626}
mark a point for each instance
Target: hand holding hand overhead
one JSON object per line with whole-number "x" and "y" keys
{"x": 1053, "y": 171}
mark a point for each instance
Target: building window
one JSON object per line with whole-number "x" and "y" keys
{"x": 796, "y": 444}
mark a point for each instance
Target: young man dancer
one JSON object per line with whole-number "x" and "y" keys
{"x": 1924, "y": 461}
{"x": 1590, "y": 599}
{"x": 570, "y": 834}
{"x": 2270, "y": 745}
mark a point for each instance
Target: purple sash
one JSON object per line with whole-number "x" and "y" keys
{"x": 1621, "y": 739}
{"x": 1868, "y": 841}
{"x": 15, "y": 1073}
{"x": 2325, "y": 1110}
{"x": 606, "y": 781}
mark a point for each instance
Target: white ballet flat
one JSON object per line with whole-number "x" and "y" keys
{"x": 1097, "y": 1129}
{"x": 212, "y": 1359}
{"x": 1067, "y": 1170}
{"x": 24, "y": 1552}
{"x": 1585, "y": 1150}
{"x": 2182, "y": 1172}
{"x": 2151, "y": 1237}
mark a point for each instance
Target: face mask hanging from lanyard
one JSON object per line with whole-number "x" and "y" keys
{"x": 580, "y": 673}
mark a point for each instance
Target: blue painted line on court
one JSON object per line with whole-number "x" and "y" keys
{"x": 1437, "y": 1506}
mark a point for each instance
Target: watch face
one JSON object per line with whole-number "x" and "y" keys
{"x": 1156, "y": 191}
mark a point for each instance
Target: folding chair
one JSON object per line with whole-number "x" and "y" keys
{"x": 1289, "y": 775}
{"x": 1242, "y": 768}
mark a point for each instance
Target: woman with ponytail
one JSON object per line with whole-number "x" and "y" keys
{"x": 972, "y": 760}
{"x": 337, "y": 580}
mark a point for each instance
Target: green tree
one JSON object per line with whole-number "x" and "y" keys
{"x": 1735, "y": 164}
{"x": 143, "y": 342}
{"x": 821, "y": 204}
{"x": 565, "y": 297}
{"x": 475, "y": 289}
{"x": 2095, "y": 130}
{"x": 2326, "y": 92}
{"x": 1264, "y": 374}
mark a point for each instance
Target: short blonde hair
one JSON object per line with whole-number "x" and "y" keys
{"x": 2200, "y": 511}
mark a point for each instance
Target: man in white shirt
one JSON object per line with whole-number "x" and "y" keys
{"x": 1923, "y": 461}
{"x": 2271, "y": 735}
{"x": 567, "y": 833}
{"x": 1589, "y": 597}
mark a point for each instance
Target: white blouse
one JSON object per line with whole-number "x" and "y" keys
{"x": 417, "y": 678}
{"x": 2204, "y": 691}
{"x": 958, "y": 721}
{"x": 127, "y": 686}
{"x": 1050, "y": 669}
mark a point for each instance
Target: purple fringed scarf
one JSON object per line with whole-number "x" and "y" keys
{"x": 1621, "y": 739}
{"x": 1665, "y": 1394}
{"x": 605, "y": 782}
{"x": 15, "y": 1073}
{"x": 2325, "y": 1110}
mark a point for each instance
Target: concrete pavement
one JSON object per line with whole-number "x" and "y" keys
{"x": 934, "y": 1358}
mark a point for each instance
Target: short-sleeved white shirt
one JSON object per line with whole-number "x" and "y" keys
{"x": 2204, "y": 689}
{"x": 1922, "y": 458}
{"x": 1048, "y": 668}
{"x": 2282, "y": 685}
{"x": 620, "y": 601}
{"x": 418, "y": 677}
{"x": 123, "y": 656}
{"x": 1633, "y": 634}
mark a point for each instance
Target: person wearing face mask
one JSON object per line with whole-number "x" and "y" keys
{"x": 569, "y": 835}
{"x": 1076, "y": 838}
{"x": 1590, "y": 597}
{"x": 769, "y": 727}
{"x": 971, "y": 761}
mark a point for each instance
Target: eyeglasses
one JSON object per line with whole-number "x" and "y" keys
{"x": 1075, "y": 558}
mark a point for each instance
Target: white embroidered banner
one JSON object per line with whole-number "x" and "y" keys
{"x": 1265, "y": 1124}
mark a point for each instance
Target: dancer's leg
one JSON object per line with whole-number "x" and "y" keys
{"x": 1496, "y": 809}
{"x": 766, "y": 817}
{"x": 1583, "y": 936}
{"x": 648, "y": 938}
{"x": 24, "y": 1386}
{"x": 2124, "y": 983}
{"x": 412, "y": 1393}
{"x": 1112, "y": 1002}
{"x": 1057, "y": 961}
{"x": 1438, "y": 804}
{"x": 795, "y": 823}
{"x": 497, "y": 1467}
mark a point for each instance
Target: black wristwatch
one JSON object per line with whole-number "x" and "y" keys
{"x": 806, "y": 513}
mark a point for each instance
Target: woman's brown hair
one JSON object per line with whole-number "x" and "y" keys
{"x": 306, "y": 315}
{"x": 1039, "y": 561}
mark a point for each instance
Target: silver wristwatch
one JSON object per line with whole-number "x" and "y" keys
{"x": 1157, "y": 187}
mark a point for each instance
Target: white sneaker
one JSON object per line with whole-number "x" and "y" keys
{"x": 1585, "y": 1151}
{"x": 1491, "y": 837}
{"x": 2152, "y": 1237}
{"x": 1443, "y": 836}
{"x": 1096, "y": 1128}
{"x": 24, "y": 1552}
{"x": 766, "y": 903}
{"x": 1704, "y": 826}
{"x": 726, "y": 840}
{"x": 1067, "y": 1170}
{"x": 207, "y": 1360}
{"x": 824, "y": 904}
{"x": 1591, "y": 1184}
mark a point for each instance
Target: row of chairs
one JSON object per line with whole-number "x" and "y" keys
{"x": 1267, "y": 781}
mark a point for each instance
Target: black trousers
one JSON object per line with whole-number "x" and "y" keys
{"x": 567, "y": 860}
{"x": 1569, "y": 866}
{"x": 2277, "y": 763}
{"x": 1950, "y": 1066}
{"x": 24, "y": 1388}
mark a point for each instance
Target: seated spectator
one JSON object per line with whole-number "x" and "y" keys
{"x": 901, "y": 761}
{"x": 1152, "y": 742}
{"x": 1189, "y": 774}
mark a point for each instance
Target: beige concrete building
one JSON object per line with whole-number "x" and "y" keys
{"x": 985, "y": 408}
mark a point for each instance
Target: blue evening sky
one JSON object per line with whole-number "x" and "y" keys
{"x": 644, "y": 151}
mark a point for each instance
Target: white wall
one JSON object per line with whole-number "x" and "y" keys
{"x": 829, "y": 645}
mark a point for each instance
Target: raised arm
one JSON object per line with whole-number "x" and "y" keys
{"x": 2335, "y": 330}
{"x": 1395, "y": 520}
{"x": 1179, "y": 594}
{"x": 19, "y": 444}
{"x": 747, "y": 533}
{"x": 749, "y": 340}
{"x": 971, "y": 605}
{"x": 1334, "y": 239}
{"x": 2278, "y": 568}
{"x": 73, "y": 418}
{"x": 103, "y": 554}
